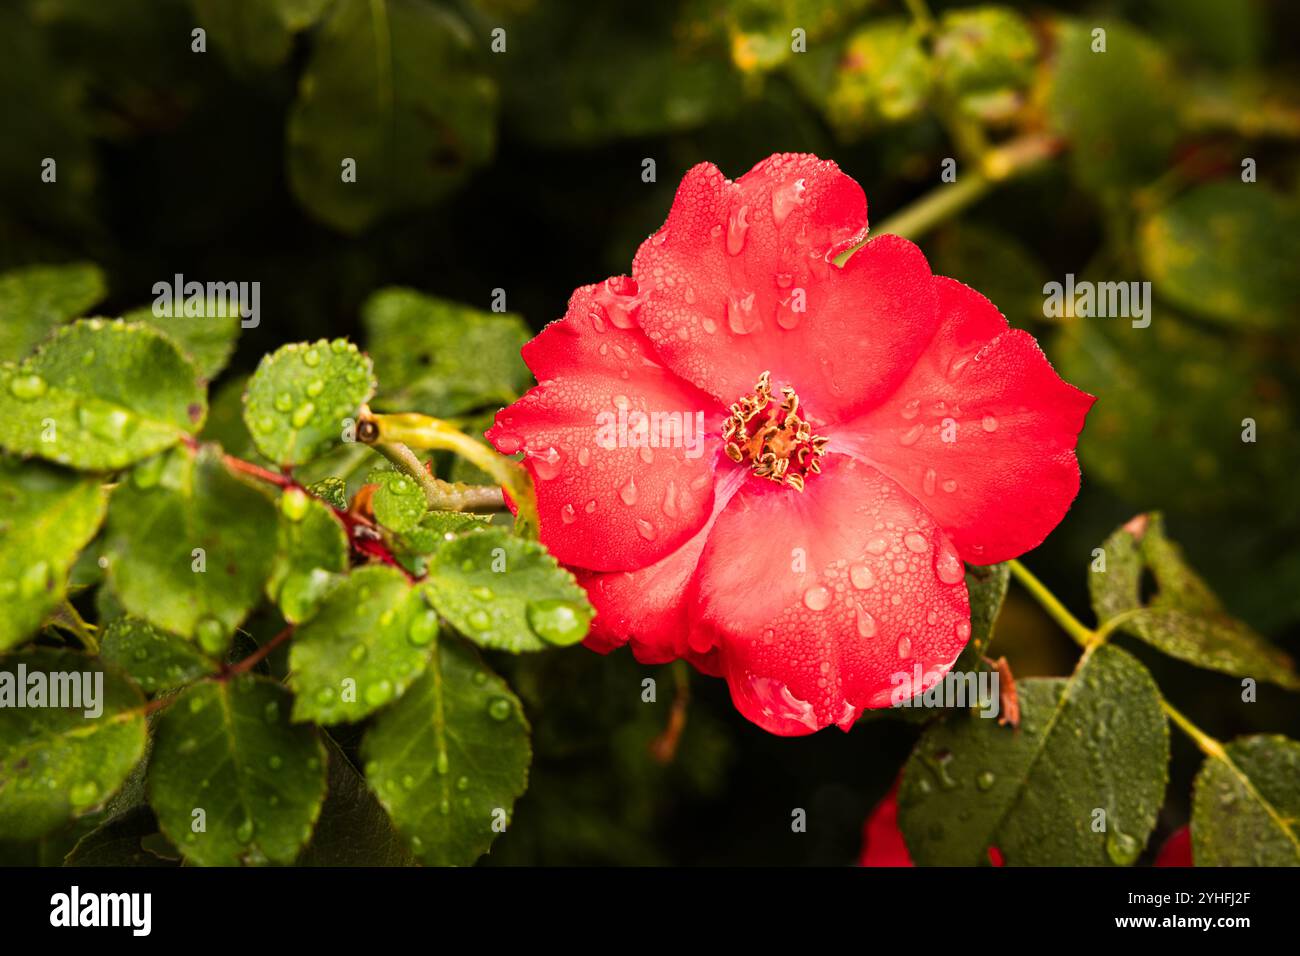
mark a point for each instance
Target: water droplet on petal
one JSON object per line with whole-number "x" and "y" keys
{"x": 646, "y": 529}
{"x": 737, "y": 227}
{"x": 628, "y": 492}
{"x": 567, "y": 514}
{"x": 741, "y": 317}
{"x": 948, "y": 567}
{"x": 904, "y": 647}
{"x": 866, "y": 623}
{"x": 910, "y": 436}
{"x": 861, "y": 577}
{"x": 817, "y": 598}
{"x": 915, "y": 542}
{"x": 877, "y": 544}
{"x": 927, "y": 483}
{"x": 989, "y": 424}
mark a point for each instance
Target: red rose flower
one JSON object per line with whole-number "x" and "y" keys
{"x": 773, "y": 466}
{"x": 1177, "y": 850}
{"x": 882, "y": 840}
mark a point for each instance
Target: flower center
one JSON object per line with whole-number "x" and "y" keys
{"x": 777, "y": 443}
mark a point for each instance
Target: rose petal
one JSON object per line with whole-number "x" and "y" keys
{"x": 603, "y": 502}
{"x": 882, "y": 840}
{"x": 982, "y": 432}
{"x": 827, "y": 602}
{"x": 739, "y": 281}
{"x": 648, "y": 608}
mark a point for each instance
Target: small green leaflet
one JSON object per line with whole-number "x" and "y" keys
{"x": 155, "y": 659}
{"x": 232, "y": 780}
{"x": 450, "y": 758}
{"x": 36, "y": 299}
{"x": 301, "y": 397}
{"x": 256, "y": 35}
{"x": 398, "y": 502}
{"x": 189, "y": 546}
{"x": 99, "y": 395}
{"x": 1079, "y": 783}
{"x": 1246, "y": 805}
{"x": 46, "y": 517}
{"x": 506, "y": 593}
{"x": 369, "y": 639}
{"x": 57, "y": 762}
{"x": 311, "y": 552}
{"x": 1185, "y": 619}
{"x": 987, "y": 587}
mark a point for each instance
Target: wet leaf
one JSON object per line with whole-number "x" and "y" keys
{"x": 1091, "y": 750}
{"x": 227, "y": 748}
{"x": 506, "y": 593}
{"x": 1246, "y": 804}
{"x": 302, "y": 395}
{"x": 450, "y": 758}
{"x": 46, "y": 518}
{"x": 311, "y": 552}
{"x": 58, "y": 762}
{"x": 153, "y": 658}
{"x": 99, "y": 395}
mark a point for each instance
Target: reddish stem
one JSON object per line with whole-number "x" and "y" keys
{"x": 253, "y": 659}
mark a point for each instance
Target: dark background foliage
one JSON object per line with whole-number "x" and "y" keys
{"x": 528, "y": 178}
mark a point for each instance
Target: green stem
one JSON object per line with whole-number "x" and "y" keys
{"x": 1207, "y": 744}
{"x": 1084, "y": 636}
{"x": 428, "y": 433}
{"x": 934, "y": 207}
{"x": 407, "y": 462}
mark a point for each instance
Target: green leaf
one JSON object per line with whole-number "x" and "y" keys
{"x": 1186, "y": 454}
{"x": 122, "y": 841}
{"x": 1246, "y": 805}
{"x": 206, "y": 340}
{"x": 99, "y": 395}
{"x": 299, "y": 399}
{"x": 353, "y": 829}
{"x": 506, "y": 593}
{"x": 1226, "y": 251}
{"x": 987, "y": 586}
{"x": 883, "y": 77}
{"x": 1117, "y": 109}
{"x": 158, "y": 521}
{"x": 398, "y": 88}
{"x": 398, "y": 501}
{"x": 46, "y": 518}
{"x": 370, "y": 638}
{"x": 443, "y": 357}
{"x": 1184, "y": 619}
{"x": 1097, "y": 741}
{"x": 36, "y": 299}
{"x": 58, "y": 762}
{"x": 311, "y": 552}
{"x": 228, "y": 748}
{"x": 256, "y": 34}
{"x": 450, "y": 758}
{"x": 333, "y": 491}
{"x": 985, "y": 60}
{"x": 156, "y": 660}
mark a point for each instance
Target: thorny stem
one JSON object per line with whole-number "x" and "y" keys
{"x": 425, "y": 432}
